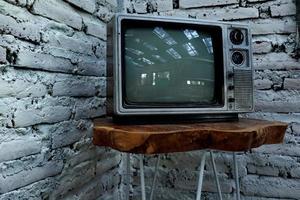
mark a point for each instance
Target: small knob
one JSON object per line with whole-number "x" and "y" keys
{"x": 231, "y": 100}
{"x": 230, "y": 75}
{"x": 230, "y": 87}
{"x": 238, "y": 58}
{"x": 236, "y": 36}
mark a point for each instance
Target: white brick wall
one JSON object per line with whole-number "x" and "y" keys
{"x": 53, "y": 68}
{"x": 52, "y": 85}
{"x": 58, "y": 11}
{"x": 271, "y": 171}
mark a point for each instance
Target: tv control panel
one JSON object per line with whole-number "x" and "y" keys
{"x": 239, "y": 72}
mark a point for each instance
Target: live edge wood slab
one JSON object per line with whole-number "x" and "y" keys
{"x": 241, "y": 135}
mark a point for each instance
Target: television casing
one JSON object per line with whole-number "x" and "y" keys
{"x": 237, "y": 100}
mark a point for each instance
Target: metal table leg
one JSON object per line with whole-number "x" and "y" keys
{"x": 127, "y": 180}
{"x": 236, "y": 175}
{"x": 200, "y": 180}
{"x": 216, "y": 174}
{"x": 154, "y": 178}
{"x": 142, "y": 175}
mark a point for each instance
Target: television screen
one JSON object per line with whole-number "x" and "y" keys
{"x": 165, "y": 64}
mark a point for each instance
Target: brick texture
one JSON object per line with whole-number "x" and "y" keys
{"x": 53, "y": 73}
{"x": 271, "y": 171}
{"x": 52, "y": 65}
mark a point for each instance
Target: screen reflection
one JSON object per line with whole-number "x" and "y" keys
{"x": 165, "y": 65}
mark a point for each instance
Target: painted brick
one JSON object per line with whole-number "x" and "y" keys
{"x": 87, "y": 5}
{"x": 101, "y": 50}
{"x": 164, "y": 5}
{"x": 102, "y": 187}
{"x": 187, "y": 180}
{"x": 296, "y": 128}
{"x": 18, "y": 2}
{"x": 275, "y": 61}
{"x": 295, "y": 172}
{"x": 46, "y": 45}
{"x": 113, "y": 3}
{"x": 89, "y": 108}
{"x": 104, "y": 13}
{"x": 24, "y": 30}
{"x": 140, "y": 7}
{"x": 33, "y": 191}
{"x": 73, "y": 178}
{"x": 179, "y": 13}
{"x": 9, "y": 134}
{"x": 203, "y": 3}
{"x": 94, "y": 26}
{"x": 291, "y": 84}
{"x": 19, "y": 147}
{"x": 262, "y": 47}
{"x": 268, "y": 26}
{"x": 22, "y": 88}
{"x": 58, "y": 11}
{"x": 2, "y": 55}
{"x": 280, "y": 149}
{"x": 78, "y": 43}
{"x": 5, "y": 110}
{"x": 272, "y": 187}
{"x": 43, "y": 61}
{"x": 90, "y": 67}
{"x": 107, "y": 164}
{"x": 90, "y": 190}
{"x": 48, "y": 114}
{"x": 12, "y": 167}
{"x": 283, "y": 10}
{"x": 82, "y": 154}
{"x": 277, "y": 106}
{"x": 271, "y": 164}
{"x": 9, "y": 183}
{"x": 84, "y": 87}
{"x": 228, "y": 14}
{"x": 252, "y": 1}
{"x": 23, "y": 24}
{"x": 24, "y": 83}
{"x": 37, "y": 96}
{"x": 280, "y": 95}
{"x": 288, "y": 118}
{"x": 13, "y": 45}
{"x": 67, "y": 132}
{"x": 264, "y": 170}
{"x": 263, "y": 84}
{"x": 47, "y": 110}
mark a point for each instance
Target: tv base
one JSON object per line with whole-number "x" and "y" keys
{"x": 174, "y": 119}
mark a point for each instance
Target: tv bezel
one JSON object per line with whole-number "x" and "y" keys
{"x": 216, "y": 33}
{"x": 118, "y": 102}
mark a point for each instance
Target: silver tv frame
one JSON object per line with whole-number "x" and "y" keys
{"x": 245, "y": 76}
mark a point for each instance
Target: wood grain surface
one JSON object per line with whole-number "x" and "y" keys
{"x": 241, "y": 135}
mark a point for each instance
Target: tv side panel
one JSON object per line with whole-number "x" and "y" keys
{"x": 109, "y": 68}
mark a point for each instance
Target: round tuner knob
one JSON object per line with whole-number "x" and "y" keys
{"x": 236, "y": 36}
{"x": 237, "y": 58}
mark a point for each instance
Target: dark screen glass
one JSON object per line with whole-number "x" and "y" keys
{"x": 165, "y": 65}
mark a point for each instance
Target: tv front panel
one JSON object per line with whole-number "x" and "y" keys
{"x": 170, "y": 66}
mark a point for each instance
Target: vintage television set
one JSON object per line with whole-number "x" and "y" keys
{"x": 172, "y": 68}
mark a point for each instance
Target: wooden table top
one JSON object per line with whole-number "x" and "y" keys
{"x": 241, "y": 135}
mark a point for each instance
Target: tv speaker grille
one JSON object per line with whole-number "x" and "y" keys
{"x": 243, "y": 85}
